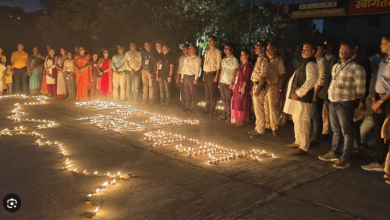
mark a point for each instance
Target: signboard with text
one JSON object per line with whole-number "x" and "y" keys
{"x": 332, "y": 9}
{"x": 369, "y": 6}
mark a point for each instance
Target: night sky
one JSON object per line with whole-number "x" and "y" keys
{"x": 27, "y": 5}
{"x": 32, "y": 5}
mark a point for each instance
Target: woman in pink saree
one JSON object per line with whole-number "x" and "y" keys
{"x": 242, "y": 99}
{"x": 104, "y": 81}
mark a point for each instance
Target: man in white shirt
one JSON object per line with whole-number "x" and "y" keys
{"x": 299, "y": 94}
{"x": 320, "y": 93}
{"x": 179, "y": 73}
{"x": 189, "y": 77}
{"x": 211, "y": 70}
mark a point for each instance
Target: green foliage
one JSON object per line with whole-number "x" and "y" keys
{"x": 107, "y": 23}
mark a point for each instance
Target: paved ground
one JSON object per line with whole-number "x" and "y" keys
{"x": 173, "y": 185}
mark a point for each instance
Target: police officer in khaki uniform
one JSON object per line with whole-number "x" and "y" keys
{"x": 275, "y": 80}
{"x": 259, "y": 89}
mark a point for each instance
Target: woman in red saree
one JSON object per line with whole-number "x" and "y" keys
{"x": 82, "y": 74}
{"x": 104, "y": 81}
{"x": 242, "y": 99}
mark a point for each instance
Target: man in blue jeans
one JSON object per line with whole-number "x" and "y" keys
{"x": 381, "y": 106}
{"x": 133, "y": 60}
{"x": 346, "y": 90}
{"x": 164, "y": 75}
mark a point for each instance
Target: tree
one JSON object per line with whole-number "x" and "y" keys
{"x": 107, "y": 23}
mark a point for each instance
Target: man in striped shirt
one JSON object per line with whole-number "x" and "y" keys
{"x": 346, "y": 90}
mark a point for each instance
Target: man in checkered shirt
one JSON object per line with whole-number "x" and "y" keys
{"x": 346, "y": 90}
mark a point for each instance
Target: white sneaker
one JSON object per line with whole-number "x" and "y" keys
{"x": 374, "y": 167}
{"x": 388, "y": 182}
{"x": 386, "y": 176}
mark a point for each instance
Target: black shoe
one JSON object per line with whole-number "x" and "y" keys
{"x": 324, "y": 137}
{"x": 314, "y": 143}
{"x": 257, "y": 136}
{"x": 222, "y": 117}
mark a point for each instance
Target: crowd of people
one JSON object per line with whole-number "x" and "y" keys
{"x": 315, "y": 88}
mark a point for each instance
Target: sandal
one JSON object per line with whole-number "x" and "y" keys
{"x": 292, "y": 145}
{"x": 298, "y": 152}
{"x": 239, "y": 125}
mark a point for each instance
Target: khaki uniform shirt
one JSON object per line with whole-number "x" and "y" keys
{"x": 276, "y": 69}
{"x": 261, "y": 68}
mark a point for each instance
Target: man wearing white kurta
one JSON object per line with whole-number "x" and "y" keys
{"x": 300, "y": 96}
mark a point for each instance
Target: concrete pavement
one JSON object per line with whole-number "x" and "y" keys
{"x": 172, "y": 185}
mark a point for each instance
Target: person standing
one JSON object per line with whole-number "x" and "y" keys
{"x": 241, "y": 100}
{"x": 164, "y": 75}
{"x": 61, "y": 82}
{"x": 35, "y": 62}
{"x": 189, "y": 77}
{"x": 320, "y": 93}
{"x": 19, "y": 61}
{"x": 4, "y": 59}
{"x": 226, "y": 81}
{"x": 211, "y": 70}
{"x": 381, "y": 106}
{"x": 104, "y": 82}
{"x": 68, "y": 71}
{"x": 259, "y": 89}
{"x": 51, "y": 73}
{"x": 299, "y": 100}
{"x": 147, "y": 77}
{"x": 82, "y": 74}
{"x": 118, "y": 66}
{"x": 93, "y": 71}
{"x": 156, "y": 61}
{"x": 133, "y": 61}
{"x": 332, "y": 60}
{"x": 347, "y": 88}
{"x": 286, "y": 56}
{"x": 3, "y": 68}
{"x": 275, "y": 82}
{"x": 179, "y": 73}
{"x": 8, "y": 79}
{"x": 76, "y": 51}
{"x": 366, "y": 64}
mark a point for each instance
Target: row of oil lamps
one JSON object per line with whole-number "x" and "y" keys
{"x": 219, "y": 107}
{"x": 116, "y": 120}
{"x": 162, "y": 138}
